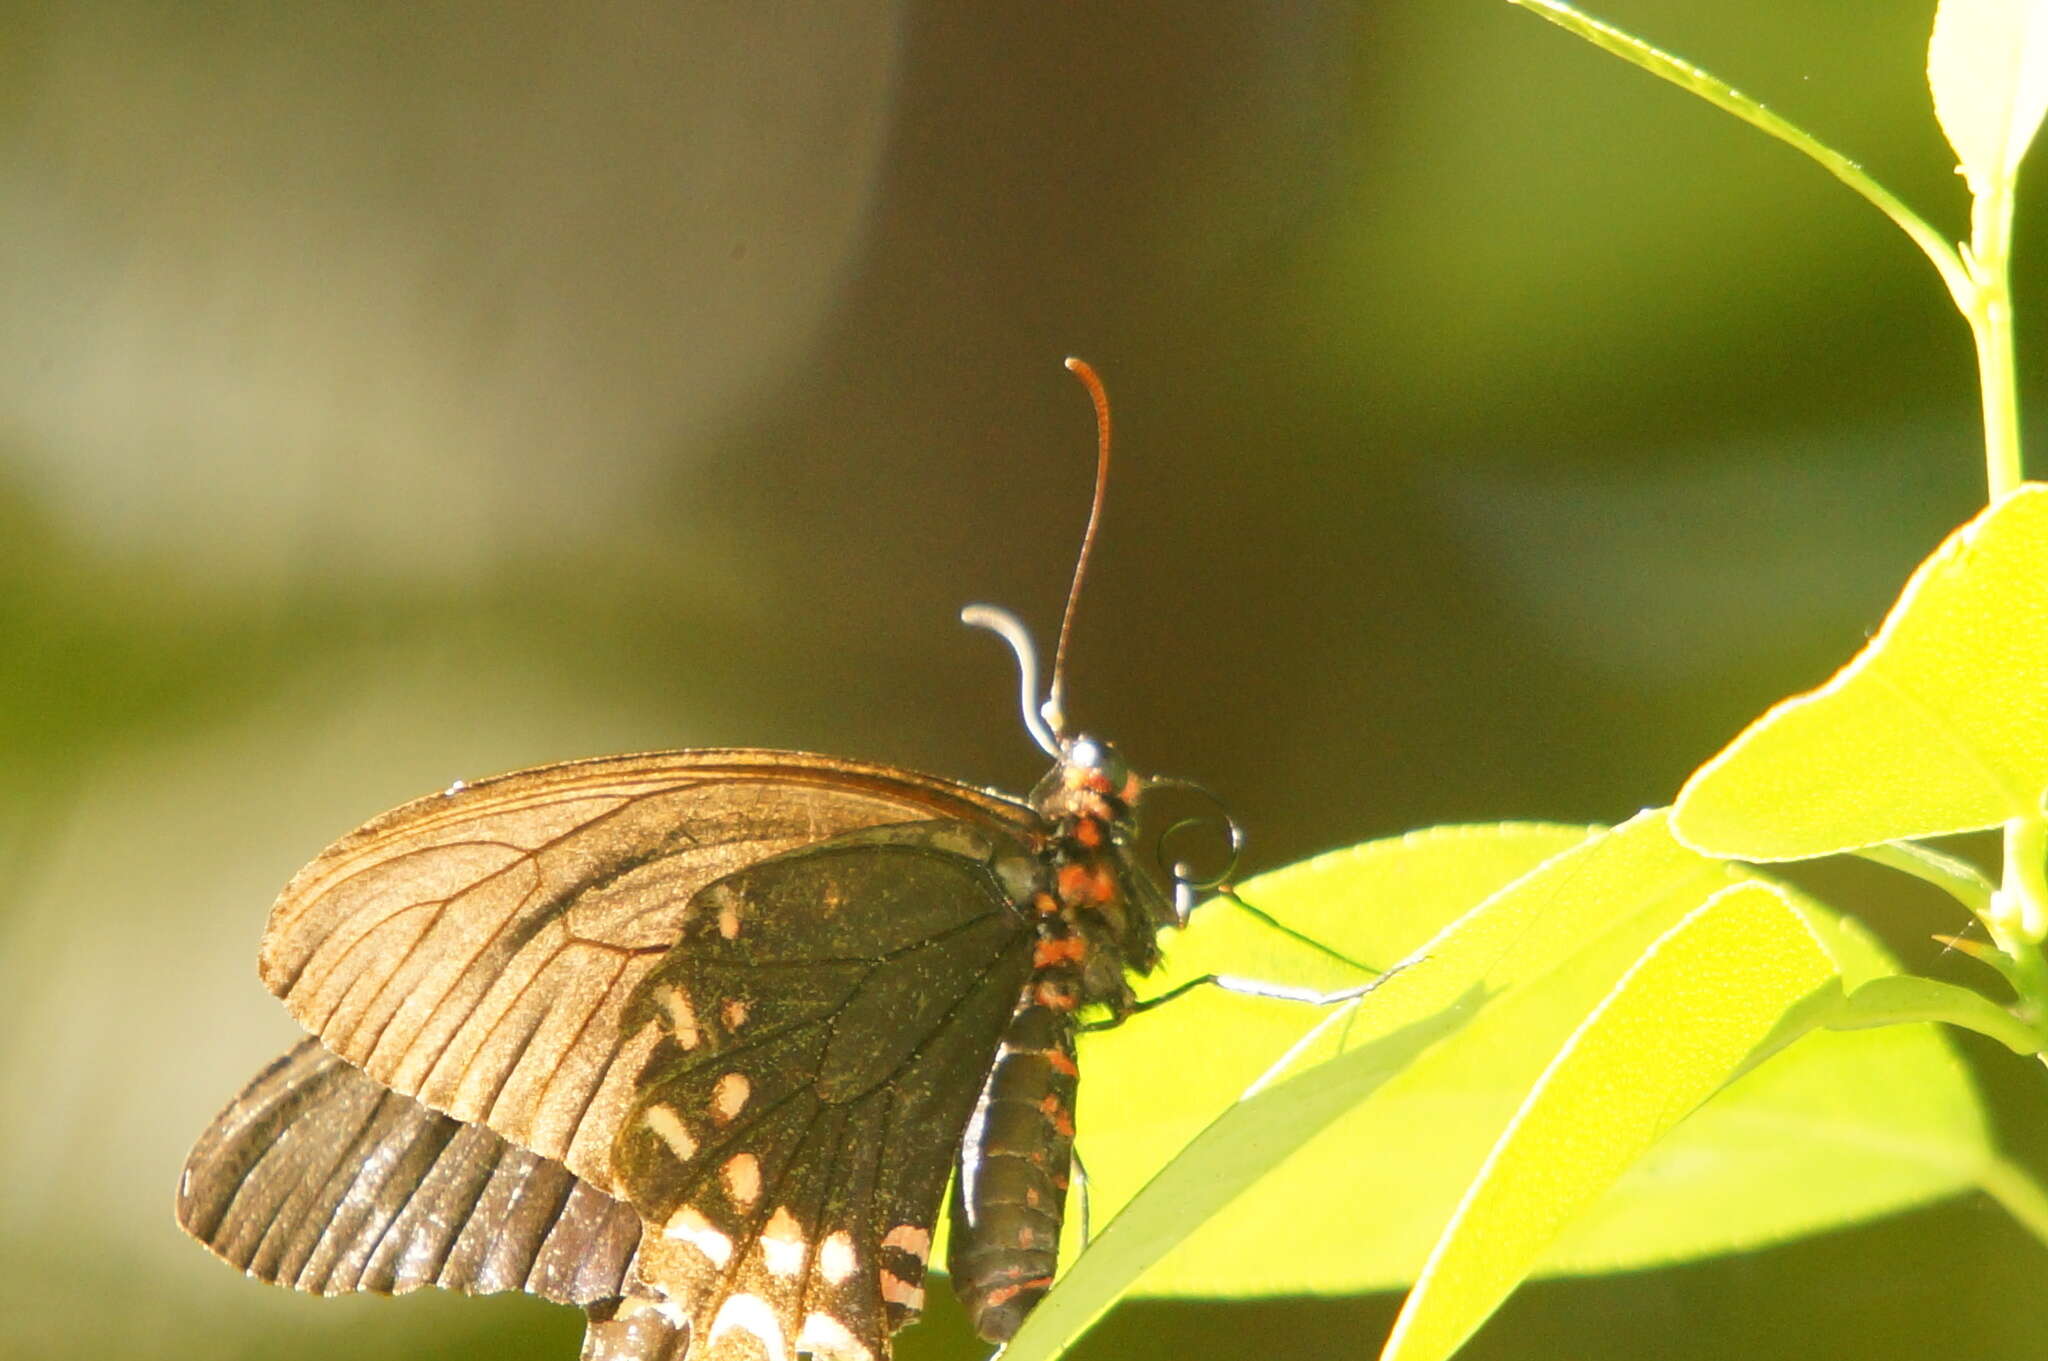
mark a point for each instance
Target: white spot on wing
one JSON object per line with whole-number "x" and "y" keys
{"x": 690, "y": 1226}
{"x": 735, "y": 1013}
{"x": 668, "y": 1308}
{"x": 825, "y": 1336}
{"x": 667, "y": 1124}
{"x": 728, "y": 921}
{"x": 742, "y": 1173}
{"x": 682, "y": 1017}
{"x": 749, "y": 1314}
{"x": 729, "y": 1097}
{"x": 782, "y": 1245}
{"x": 836, "y": 1259}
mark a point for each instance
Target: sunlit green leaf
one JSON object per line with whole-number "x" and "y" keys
{"x": 1939, "y": 725}
{"x": 1844, "y": 1126}
{"x": 1903, "y": 998}
{"x": 1987, "y": 66}
{"x": 1225, "y": 1159}
{"x": 1672, "y": 1031}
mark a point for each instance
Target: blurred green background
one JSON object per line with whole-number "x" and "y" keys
{"x": 397, "y": 394}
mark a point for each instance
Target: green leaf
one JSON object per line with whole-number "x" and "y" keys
{"x": 1224, "y": 1160}
{"x": 1939, "y": 725}
{"x": 1987, "y": 66}
{"x": 1841, "y": 1127}
{"x": 1675, "y": 1028}
{"x": 1844, "y": 1126}
{"x": 1956, "y": 877}
{"x": 1901, "y": 999}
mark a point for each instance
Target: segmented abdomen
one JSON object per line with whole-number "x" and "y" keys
{"x": 1011, "y": 1191}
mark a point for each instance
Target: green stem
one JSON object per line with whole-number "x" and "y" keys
{"x": 2018, "y": 1194}
{"x": 2025, "y": 886}
{"x": 1978, "y": 277}
{"x": 1989, "y": 309}
{"x": 2018, "y": 919}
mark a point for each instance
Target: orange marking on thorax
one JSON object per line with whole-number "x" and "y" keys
{"x": 1081, "y": 884}
{"x": 1071, "y": 949}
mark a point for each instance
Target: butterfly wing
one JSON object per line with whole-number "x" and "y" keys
{"x": 475, "y": 949}
{"x": 318, "y": 1178}
{"x": 839, "y": 944}
{"x": 825, "y": 1022}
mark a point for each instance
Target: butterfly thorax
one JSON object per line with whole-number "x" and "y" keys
{"x": 1098, "y": 914}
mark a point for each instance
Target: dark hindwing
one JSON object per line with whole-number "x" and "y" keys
{"x": 821, "y": 1031}
{"x": 318, "y": 1178}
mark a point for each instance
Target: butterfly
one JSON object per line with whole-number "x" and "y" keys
{"x": 695, "y": 1040}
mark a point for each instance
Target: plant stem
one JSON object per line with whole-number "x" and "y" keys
{"x": 2026, "y": 874}
{"x": 1989, "y": 310}
{"x": 2018, "y": 919}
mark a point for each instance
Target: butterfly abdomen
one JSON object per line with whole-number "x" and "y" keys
{"x": 1010, "y": 1195}
{"x": 1091, "y": 924}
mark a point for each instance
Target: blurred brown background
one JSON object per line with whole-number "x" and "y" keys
{"x": 396, "y": 394}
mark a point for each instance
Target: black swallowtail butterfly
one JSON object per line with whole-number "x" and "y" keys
{"x": 694, "y": 1040}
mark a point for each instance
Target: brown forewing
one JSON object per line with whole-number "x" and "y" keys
{"x": 475, "y": 949}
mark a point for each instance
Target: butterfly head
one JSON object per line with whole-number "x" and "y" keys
{"x": 1091, "y": 780}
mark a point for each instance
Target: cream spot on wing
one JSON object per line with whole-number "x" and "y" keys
{"x": 728, "y": 922}
{"x": 782, "y": 1244}
{"x": 825, "y": 1336}
{"x": 742, "y": 1173}
{"x": 729, "y": 1097}
{"x": 749, "y": 1314}
{"x": 673, "y": 1132}
{"x": 896, "y": 1290}
{"x": 913, "y": 1240}
{"x": 835, "y": 1256}
{"x": 689, "y": 1226}
{"x": 670, "y": 1309}
{"x": 682, "y": 1017}
{"x": 735, "y": 1014}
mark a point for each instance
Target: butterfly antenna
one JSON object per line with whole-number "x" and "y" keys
{"x": 1055, "y": 700}
{"x": 1010, "y": 629}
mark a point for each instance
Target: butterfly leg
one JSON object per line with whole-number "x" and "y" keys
{"x": 1242, "y": 987}
{"x": 1080, "y": 1171}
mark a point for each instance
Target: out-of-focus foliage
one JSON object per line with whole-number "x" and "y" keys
{"x": 393, "y": 395}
